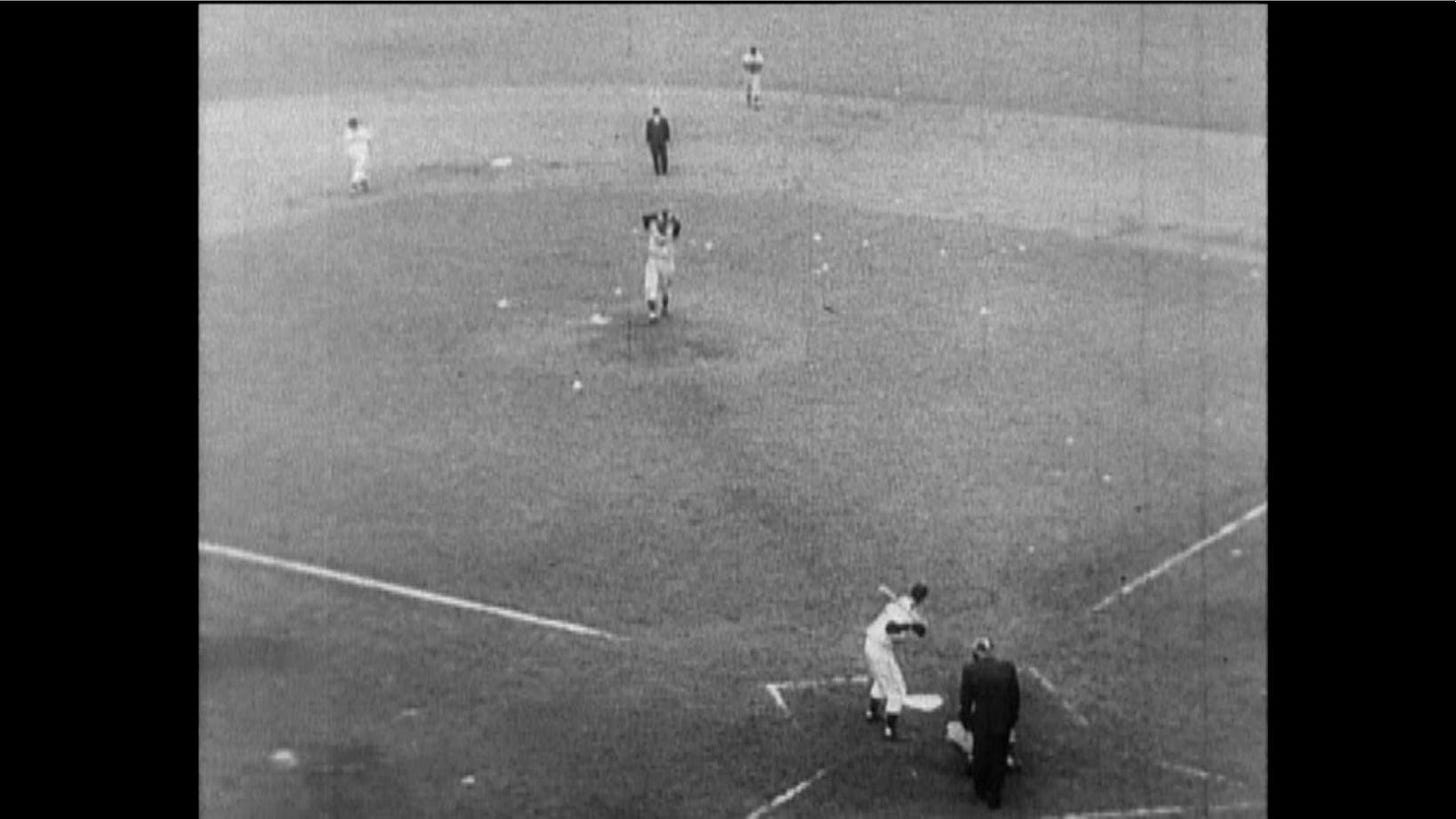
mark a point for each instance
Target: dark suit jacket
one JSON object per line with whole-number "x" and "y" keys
{"x": 657, "y": 131}
{"x": 990, "y": 696}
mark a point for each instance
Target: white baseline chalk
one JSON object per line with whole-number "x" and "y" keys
{"x": 773, "y": 691}
{"x": 777, "y": 689}
{"x": 1066, "y": 706}
{"x": 402, "y": 591}
{"x": 1171, "y": 810}
{"x": 1228, "y": 529}
{"x": 1196, "y": 773}
{"x": 763, "y": 810}
{"x": 847, "y": 679}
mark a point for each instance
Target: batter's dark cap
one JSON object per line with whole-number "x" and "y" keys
{"x": 919, "y": 591}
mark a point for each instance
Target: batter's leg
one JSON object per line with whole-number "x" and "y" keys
{"x": 876, "y": 708}
{"x": 874, "y": 661}
{"x": 359, "y": 179}
{"x": 651, "y": 289}
{"x": 894, "y": 699}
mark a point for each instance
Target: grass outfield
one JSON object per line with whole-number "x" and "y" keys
{"x": 952, "y": 383}
{"x": 1182, "y": 66}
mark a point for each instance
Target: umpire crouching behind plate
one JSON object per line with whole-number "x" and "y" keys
{"x": 990, "y": 704}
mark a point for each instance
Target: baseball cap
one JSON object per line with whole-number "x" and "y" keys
{"x": 983, "y": 645}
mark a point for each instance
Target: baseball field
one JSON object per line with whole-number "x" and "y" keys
{"x": 978, "y": 298}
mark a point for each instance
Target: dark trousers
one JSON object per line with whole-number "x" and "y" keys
{"x": 659, "y": 159}
{"x": 988, "y": 765}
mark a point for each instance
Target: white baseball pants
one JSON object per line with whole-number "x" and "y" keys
{"x": 656, "y": 279}
{"x": 889, "y": 682}
{"x": 361, "y": 167}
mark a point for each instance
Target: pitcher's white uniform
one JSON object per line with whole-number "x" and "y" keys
{"x": 879, "y": 649}
{"x": 662, "y": 232}
{"x": 357, "y": 140}
{"x": 753, "y": 64}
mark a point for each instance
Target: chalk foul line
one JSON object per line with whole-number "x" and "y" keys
{"x": 402, "y": 591}
{"x": 763, "y": 810}
{"x": 1189, "y": 770}
{"x": 1227, "y": 529}
{"x": 1051, "y": 689}
{"x": 1167, "y": 810}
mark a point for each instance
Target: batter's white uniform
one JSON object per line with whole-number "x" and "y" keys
{"x": 356, "y": 146}
{"x": 753, "y": 64}
{"x": 879, "y": 649}
{"x": 657, "y": 276}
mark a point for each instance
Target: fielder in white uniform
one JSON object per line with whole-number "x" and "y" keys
{"x": 356, "y": 145}
{"x": 662, "y": 232}
{"x": 753, "y": 64}
{"x": 887, "y": 693}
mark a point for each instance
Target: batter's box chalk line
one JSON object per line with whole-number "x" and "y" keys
{"x": 776, "y": 689}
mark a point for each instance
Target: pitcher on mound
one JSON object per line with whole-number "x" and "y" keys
{"x": 662, "y": 232}
{"x": 887, "y": 692}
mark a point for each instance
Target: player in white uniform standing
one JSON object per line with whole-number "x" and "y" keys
{"x": 753, "y": 64}
{"x": 662, "y": 232}
{"x": 356, "y": 144}
{"x": 899, "y": 617}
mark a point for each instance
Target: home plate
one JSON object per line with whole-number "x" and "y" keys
{"x": 501, "y": 162}
{"x": 284, "y": 758}
{"x": 924, "y": 702}
{"x": 598, "y": 318}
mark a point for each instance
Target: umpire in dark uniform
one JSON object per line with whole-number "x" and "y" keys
{"x": 990, "y": 705}
{"x": 658, "y": 135}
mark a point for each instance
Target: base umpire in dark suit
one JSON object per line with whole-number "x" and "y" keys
{"x": 658, "y": 135}
{"x": 990, "y": 705}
